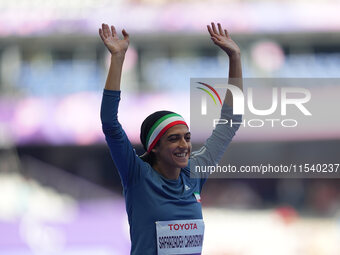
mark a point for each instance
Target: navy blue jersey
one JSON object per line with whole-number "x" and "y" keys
{"x": 149, "y": 196}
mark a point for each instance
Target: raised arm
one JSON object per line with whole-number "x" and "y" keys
{"x": 124, "y": 156}
{"x": 117, "y": 48}
{"x": 215, "y": 146}
{"x": 222, "y": 39}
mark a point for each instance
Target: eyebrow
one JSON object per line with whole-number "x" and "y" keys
{"x": 188, "y": 133}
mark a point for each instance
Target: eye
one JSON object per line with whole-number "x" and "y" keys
{"x": 187, "y": 138}
{"x": 173, "y": 138}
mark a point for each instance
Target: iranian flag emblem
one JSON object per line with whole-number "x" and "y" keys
{"x": 198, "y": 197}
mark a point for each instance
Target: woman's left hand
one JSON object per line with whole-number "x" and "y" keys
{"x": 222, "y": 39}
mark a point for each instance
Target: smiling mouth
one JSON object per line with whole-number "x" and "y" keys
{"x": 181, "y": 155}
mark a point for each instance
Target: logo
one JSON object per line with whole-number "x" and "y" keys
{"x": 240, "y": 102}
{"x": 186, "y": 226}
{"x": 197, "y": 196}
{"x": 204, "y": 99}
{"x": 213, "y": 90}
{"x": 186, "y": 187}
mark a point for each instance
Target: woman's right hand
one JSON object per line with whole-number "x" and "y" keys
{"x": 111, "y": 40}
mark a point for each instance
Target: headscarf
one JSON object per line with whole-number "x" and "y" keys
{"x": 155, "y": 125}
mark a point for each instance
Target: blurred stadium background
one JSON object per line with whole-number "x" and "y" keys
{"x": 59, "y": 191}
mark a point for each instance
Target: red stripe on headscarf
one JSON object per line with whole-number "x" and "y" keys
{"x": 164, "y": 130}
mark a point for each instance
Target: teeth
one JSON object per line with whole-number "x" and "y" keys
{"x": 180, "y": 154}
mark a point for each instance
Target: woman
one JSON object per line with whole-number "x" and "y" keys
{"x": 162, "y": 201}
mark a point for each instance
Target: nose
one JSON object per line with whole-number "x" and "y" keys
{"x": 183, "y": 143}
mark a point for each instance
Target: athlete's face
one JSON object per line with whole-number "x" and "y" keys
{"x": 174, "y": 147}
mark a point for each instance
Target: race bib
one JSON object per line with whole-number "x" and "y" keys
{"x": 180, "y": 237}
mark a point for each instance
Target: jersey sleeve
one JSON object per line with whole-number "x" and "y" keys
{"x": 215, "y": 146}
{"x": 123, "y": 154}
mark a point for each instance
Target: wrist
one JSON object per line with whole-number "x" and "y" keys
{"x": 118, "y": 56}
{"x": 235, "y": 55}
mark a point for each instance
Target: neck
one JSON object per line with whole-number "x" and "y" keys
{"x": 171, "y": 173}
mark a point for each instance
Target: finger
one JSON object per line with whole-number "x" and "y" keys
{"x": 102, "y": 30}
{"x": 113, "y": 30}
{"x": 226, "y": 33}
{"x": 220, "y": 29}
{"x": 214, "y": 27}
{"x": 210, "y": 31}
{"x": 125, "y": 34}
{"x": 106, "y": 30}
{"x": 101, "y": 34}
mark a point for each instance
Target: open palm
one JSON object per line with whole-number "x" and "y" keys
{"x": 222, "y": 38}
{"x": 112, "y": 41}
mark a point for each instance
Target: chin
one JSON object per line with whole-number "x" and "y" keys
{"x": 182, "y": 164}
